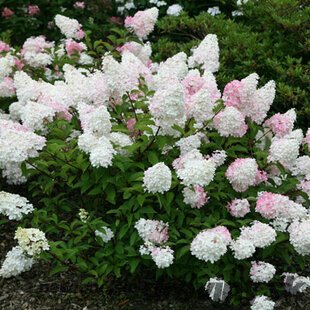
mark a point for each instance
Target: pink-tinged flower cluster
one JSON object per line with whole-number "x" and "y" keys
{"x": 35, "y": 53}
{"x": 270, "y": 205}
{"x": 193, "y": 169}
{"x": 211, "y": 244}
{"x": 153, "y": 231}
{"x": 143, "y": 52}
{"x": 196, "y": 198}
{"x": 69, "y": 27}
{"x": 33, "y": 10}
{"x": 79, "y": 5}
{"x": 233, "y": 95}
{"x": 230, "y": 122}
{"x": 252, "y": 102}
{"x": 4, "y": 47}
{"x": 239, "y": 207}
{"x": 6, "y": 13}
{"x": 155, "y": 234}
{"x": 243, "y": 173}
{"x": 281, "y": 124}
{"x": 193, "y": 82}
{"x": 305, "y": 185}
{"x": 280, "y": 208}
{"x": 7, "y": 88}
{"x": 74, "y": 47}
{"x": 142, "y": 23}
{"x": 300, "y": 236}
{"x": 131, "y": 124}
{"x": 262, "y": 272}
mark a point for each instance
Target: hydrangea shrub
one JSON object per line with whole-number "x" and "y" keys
{"x": 140, "y": 166}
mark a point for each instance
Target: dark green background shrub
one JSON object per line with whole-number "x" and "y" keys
{"x": 272, "y": 39}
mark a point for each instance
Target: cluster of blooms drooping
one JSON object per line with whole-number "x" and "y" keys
{"x": 14, "y": 206}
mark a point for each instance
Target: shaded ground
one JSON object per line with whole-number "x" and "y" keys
{"x": 35, "y": 290}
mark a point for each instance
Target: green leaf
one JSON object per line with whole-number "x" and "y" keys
{"x": 58, "y": 269}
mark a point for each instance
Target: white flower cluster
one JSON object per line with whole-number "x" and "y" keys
{"x": 195, "y": 198}
{"x": 300, "y": 236}
{"x": 262, "y": 272}
{"x": 258, "y": 235}
{"x": 209, "y": 245}
{"x": 230, "y": 122}
{"x": 14, "y": 206}
{"x": 157, "y": 179}
{"x": 95, "y": 140}
{"x": 69, "y": 27}
{"x": 193, "y": 169}
{"x": 107, "y": 236}
{"x": 31, "y": 240}
{"x": 35, "y": 52}
{"x": 189, "y": 143}
{"x": 163, "y": 257}
{"x": 17, "y": 144}
{"x": 15, "y": 263}
{"x": 168, "y": 106}
{"x": 262, "y": 303}
{"x": 174, "y": 10}
{"x": 208, "y": 46}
